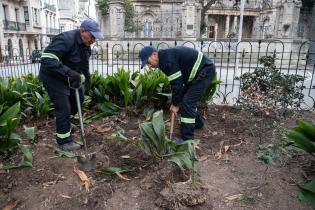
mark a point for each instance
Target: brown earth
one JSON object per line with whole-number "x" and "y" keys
{"x": 233, "y": 179}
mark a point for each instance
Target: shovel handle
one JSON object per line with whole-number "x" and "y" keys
{"x": 172, "y": 125}
{"x": 77, "y": 97}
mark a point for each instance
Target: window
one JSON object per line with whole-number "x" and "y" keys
{"x": 35, "y": 16}
{"x": 26, "y": 16}
{"x": 211, "y": 32}
{"x": 17, "y": 18}
{"x": 190, "y": 27}
{"x": 10, "y": 48}
{"x": 147, "y": 29}
{"x": 21, "y": 47}
{"x": 35, "y": 44}
{"x": 5, "y": 11}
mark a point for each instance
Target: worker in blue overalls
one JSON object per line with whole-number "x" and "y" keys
{"x": 62, "y": 63}
{"x": 190, "y": 74}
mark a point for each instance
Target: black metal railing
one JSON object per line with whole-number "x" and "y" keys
{"x": 232, "y": 59}
{"x": 14, "y": 26}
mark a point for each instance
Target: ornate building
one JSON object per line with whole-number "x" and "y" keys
{"x": 180, "y": 19}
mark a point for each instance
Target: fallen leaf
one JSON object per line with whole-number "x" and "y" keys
{"x": 103, "y": 129}
{"x": 84, "y": 179}
{"x": 233, "y": 197}
{"x": 121, "y": 176}
{"x": 11, "y": 205}
{"x": 47, "y": 184}
{"x": 203, "y": 158}
{"x": 226, "y": 148}
{"x": 65, "y": 196}
{"x": 214, "y": 133}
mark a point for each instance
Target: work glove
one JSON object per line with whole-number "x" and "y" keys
{"x": 87, "y": 84}
{"x": 74, "y": 78}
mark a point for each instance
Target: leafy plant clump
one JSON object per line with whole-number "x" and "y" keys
{"x": 154, "y": 143}
{"x": 9, "y": 140}
{"x": 303, "y": 137}
{"x": 268, "y": 91}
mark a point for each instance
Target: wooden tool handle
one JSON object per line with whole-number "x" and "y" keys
{"x": 172, "y": 125}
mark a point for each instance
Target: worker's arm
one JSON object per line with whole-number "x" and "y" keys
{"x": 176, "y": 80}
{"x": 51, "y": 58}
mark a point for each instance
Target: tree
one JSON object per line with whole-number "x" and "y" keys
{"x": 103, "y": 6}
{"x": 205, "y": 5}
{"x": 129, "y": 15}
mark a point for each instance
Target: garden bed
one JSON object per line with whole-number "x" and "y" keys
{"x": 231, "y": 154}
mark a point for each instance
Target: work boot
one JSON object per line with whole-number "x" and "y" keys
{"x": 69, "y": 146}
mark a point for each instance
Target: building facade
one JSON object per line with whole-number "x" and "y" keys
{"x": 268, "y": 19}
{"x": 26, "y": 26}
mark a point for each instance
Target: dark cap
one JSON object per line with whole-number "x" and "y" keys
{"x": 93, "y": 27}
{"x": 145, "y": 54}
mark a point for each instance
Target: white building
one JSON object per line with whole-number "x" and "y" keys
{"x": 50, "y": 20}
{"x": 23, "y": 27}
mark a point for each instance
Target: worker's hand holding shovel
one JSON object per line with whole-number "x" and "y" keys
{"x": 173, "y": 109}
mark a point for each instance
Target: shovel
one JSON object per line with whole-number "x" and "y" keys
{"x": 86, "y": 162}
{"x": 172, "y": 125}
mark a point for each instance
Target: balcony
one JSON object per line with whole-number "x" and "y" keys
{"x": 52, "y": 30}
{"x": 14, "y": 26}
{"x": 50, "y": 7}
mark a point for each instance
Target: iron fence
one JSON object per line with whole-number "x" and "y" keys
{"x": 232, "y": 59}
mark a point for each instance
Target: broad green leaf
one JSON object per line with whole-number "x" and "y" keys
{"x": 30, "y": 132}
{"x": 27, "y": 153}
{"x": 177, "y": 161}
{"x": 12, "y": 112}
{"x": 115, "y": 170}
{"x": 301, "y": 141}
{"x": 307, "y": 129}
{"x": 307, "y": 193}
{"x": 61, "y": 153}
{"x": 158, "y": 125}
{"x": 148, "y": 131}
{"x": 27, "y": 163}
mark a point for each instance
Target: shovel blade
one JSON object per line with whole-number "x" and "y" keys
{"x": 87, "y": 163}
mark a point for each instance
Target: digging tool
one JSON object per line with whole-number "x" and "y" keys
{"x": 87, "y": 162}
{"x": 172, "y": 125}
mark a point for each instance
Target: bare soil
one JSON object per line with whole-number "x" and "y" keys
{"x": 231, "y": 179}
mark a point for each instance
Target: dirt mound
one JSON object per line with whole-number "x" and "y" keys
{"x": 182, "y": 194}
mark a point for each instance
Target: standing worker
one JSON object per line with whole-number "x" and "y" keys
{"x": 190, "y": 74}
{"x": 62, "y": 63}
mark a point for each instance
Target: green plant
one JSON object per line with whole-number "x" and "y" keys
{"x": 30, "y": 132}
{"x": 103, "y": 110}
{"x": 267, "y": 90}
{"x": 129, "y": 15}
{"x": 148, "y": 88}
{"x": 267, "y": 154}
{"x": 103, "y": 6}
{"x": 154, "y": 143}
{"x": 303, "y": 137}
{"x": 26, "y": 162}
{"x": 9, "y": 119}
{"x": 99, "y": 88}
{"x": 120, "y": 88}
{"x": 34, "y": 100}
{"x": 307, "y": 193}
{"x": 209, "y": 93}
